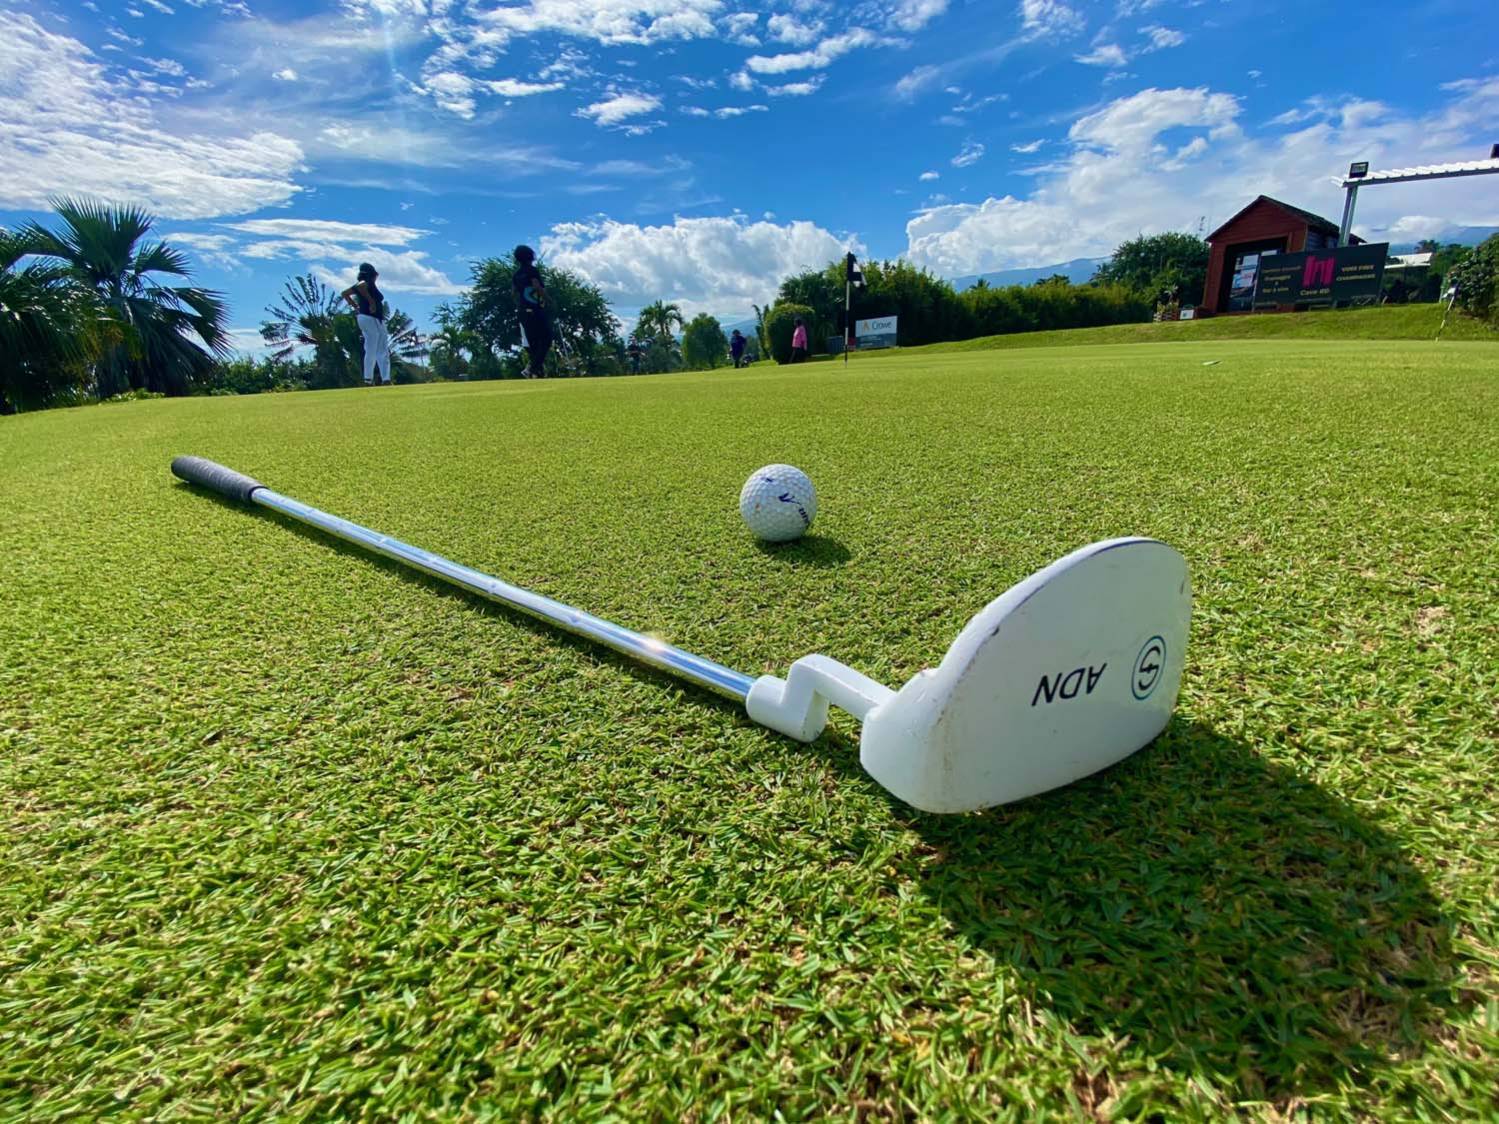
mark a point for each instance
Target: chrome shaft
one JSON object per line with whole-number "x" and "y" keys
{"x": 695, "y": 669}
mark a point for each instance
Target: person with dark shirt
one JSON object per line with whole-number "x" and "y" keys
{"x": 368, "y": 303}
{"x": 530, "y": 304}
{"x": 736, "y": 347}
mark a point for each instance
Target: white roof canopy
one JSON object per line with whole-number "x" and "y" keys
{"x": 1427, "y": 172}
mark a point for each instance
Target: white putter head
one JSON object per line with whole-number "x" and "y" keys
{"x": 1069, "y": 671}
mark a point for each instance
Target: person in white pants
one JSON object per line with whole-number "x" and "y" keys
{"x": 368, "y": 303}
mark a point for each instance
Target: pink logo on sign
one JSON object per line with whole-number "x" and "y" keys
{"x": 1318, "y": 271}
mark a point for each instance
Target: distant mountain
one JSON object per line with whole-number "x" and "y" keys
{"x": 1077, "y": 270}
{"x": 1463, "y": 236}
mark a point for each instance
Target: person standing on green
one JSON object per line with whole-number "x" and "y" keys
{"x": 530, "y": 305}
{"x": 368, "y": 303}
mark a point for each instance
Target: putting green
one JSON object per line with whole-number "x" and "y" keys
{"x": 290, "y": 830}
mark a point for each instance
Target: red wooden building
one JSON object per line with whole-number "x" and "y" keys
{"x": 1266, "y": 226}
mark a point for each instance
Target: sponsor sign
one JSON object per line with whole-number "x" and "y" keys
{"x": 1343, "y": 275}
{"x": 879, "y": 332}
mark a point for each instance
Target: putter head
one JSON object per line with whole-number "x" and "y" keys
{"x": 1071, "y": 670}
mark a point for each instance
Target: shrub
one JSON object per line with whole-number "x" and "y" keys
{"x": 1477, "y": 280}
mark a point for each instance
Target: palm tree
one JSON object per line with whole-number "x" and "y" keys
{"x": 304, "y": 317}
{"x": 658, "y": 320}
{"x": 104, "y": 248}
{"x": 51, "y": 331}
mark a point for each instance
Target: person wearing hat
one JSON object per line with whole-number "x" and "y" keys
{"x": 368, "y": 303}
{"x": 530, "y": 304}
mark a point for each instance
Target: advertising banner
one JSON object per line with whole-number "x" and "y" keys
{"x": 879, "y": 332}
{"x": 1345, "y": 275}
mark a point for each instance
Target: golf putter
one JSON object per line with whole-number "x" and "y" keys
{"x": 1068, "y": 672}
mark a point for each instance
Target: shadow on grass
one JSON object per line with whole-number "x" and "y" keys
{"x": 1228, "y": 916}
{"x": 809, "y": 550}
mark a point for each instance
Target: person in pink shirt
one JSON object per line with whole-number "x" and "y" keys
{"x": 799, "y": 342}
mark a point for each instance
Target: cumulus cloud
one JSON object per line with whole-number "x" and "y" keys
{"x": 619, "y": 107}
{"x": 1121, "y": 178}
{"x": 719, "y": 265}
{"x": 329, "y": 249}
{"x": 789, "y": 29}
{"x": 1028, "y": 147}
{"x": 824, "y": 54}
{"x": 74, "y": 126}
{"x": 740, "y": 28}
{"x": 927, "y": 177}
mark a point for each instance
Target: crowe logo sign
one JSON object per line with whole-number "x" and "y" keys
{"x": 879, "y": 332}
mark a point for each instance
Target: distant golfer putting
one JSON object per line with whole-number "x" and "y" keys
{"x": 778, "y": 503}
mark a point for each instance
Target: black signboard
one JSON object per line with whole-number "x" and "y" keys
{"x": 1343, "y": 275}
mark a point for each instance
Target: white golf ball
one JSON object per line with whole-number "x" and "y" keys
{"x": 778, "y": 503}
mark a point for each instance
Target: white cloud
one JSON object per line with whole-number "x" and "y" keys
{"x": 72, "y": 126}
{"x": 1121, "y": 180}
{"x": 720, "y": 265}
{"x": 913, "y": 15}
{"x": 207, "y": 249}
{"x": 1106, "y": 54}
{"x": 789, "y": 29}
{"x": 739, "y": 110}
{"x": 1162, "y": 37}
{"x": 796, "y": 89}
{"x": 514, "y": 88}
{"x": 286, "y": 74}
{"x": 619, "y": 107}
{"x": 740, "y": 28}
{"x": 1028, "y": 147}
{"x": 400, "y": 273}
{"x": 328, "y": 230}
{"x": 824, "y": 54}
{"x": 740, "y": 80}
{"x": 916, "y": 81}
{"x": 1049, "y": 18}
{"x": 971, "y": 153}
{"x": 927, "y": 177}
{"x": 610, "y": 22}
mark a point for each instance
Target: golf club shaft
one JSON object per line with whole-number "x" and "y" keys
{"x": 695, "y": 669}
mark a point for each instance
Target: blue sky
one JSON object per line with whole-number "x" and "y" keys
{"x": 699, "y": 150}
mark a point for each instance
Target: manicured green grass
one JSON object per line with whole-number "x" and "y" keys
{"x": 290, "y": 831}
{"x": 1388, "y": 322}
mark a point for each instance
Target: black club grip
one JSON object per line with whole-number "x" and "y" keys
{"x": 207, "y": 474}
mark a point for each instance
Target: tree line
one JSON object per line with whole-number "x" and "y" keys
{"x": 95, "y": 308}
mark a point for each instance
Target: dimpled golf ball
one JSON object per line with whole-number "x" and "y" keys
{"x": 778, "y": 503}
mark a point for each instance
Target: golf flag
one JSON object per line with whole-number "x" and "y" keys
{"x": 851, "y": 272}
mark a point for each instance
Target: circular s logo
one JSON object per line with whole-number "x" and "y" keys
{"x": 1150, "y": 665}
